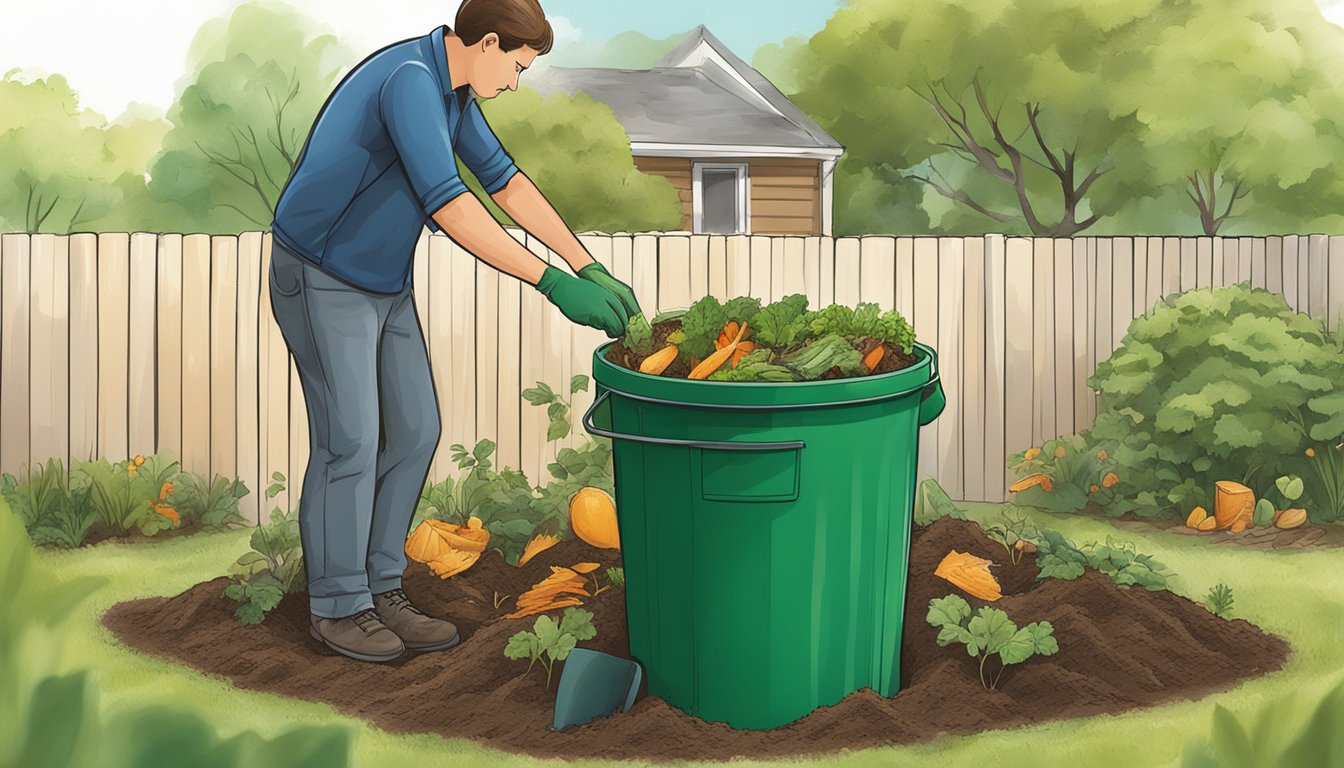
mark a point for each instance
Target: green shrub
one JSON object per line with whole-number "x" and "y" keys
{"x": 273, "y": 567}
{"x": 54, "y": 719}
{"x": 508, "y": 505}
{"x": 1059, "y": 558}
{"x": 1218, "y": 384}
{"x": 1079, "y": 476}
{"x": 932, "y": 502}
{"x": 54, "y": 511}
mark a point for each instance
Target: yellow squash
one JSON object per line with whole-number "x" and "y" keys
{"x": 592, "y": 516}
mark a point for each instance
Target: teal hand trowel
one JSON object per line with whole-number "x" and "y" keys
{"x": 594, "y": 685}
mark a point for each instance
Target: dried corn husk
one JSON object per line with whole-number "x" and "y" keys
{"x": 1043, "y": 480}
{"x": 970, "y": 574}
{"x": 539, "y": 543}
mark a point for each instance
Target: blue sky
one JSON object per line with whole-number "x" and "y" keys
{"x": 743, "y": 25}
{"x": 135, "y": 50}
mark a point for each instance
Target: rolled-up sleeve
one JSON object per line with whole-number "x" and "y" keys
{"x": 417, "y": 121}
{"x": 480, "y": 149}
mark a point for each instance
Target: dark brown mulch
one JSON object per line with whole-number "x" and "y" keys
{"x": 1119, "y": 649}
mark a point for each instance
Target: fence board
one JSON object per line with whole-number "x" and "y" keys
{"x": 812, "y": 272}
{"x": 1105, "y": 276}
{"x": 248, "y": 355}
{"x": 1231, "y": 260}
{"x": 925, "y": 318}
{"x": 760, "y": 268}
{"x": 1063, "y": 333}
{"x": 778, "y": 269}
{"x": 1171, "y": 264}
{"x": 140, "y": 374}
{"x": 113, "y": 347}
{"x": 950, "y": 286}
{"x": 877, "y": 271}
{"x": 1258, "y": 266}
{"x": 827, "y": 271}
{"x": 1189, "y": 267}
{"x": 718, "y": 268}
{"x": 795, "y": 281}
{"x": 1216, "y": 273}
{"x": 300, "y": 438}
{"x": 532, "y": 420}
{"x": 274, "y": 401}
{"x": 1203, "y": 262}
{"x": 1083, "y": 405}
{"x": 462, "y": 265}
{"x": 509, "y": 396}
{"x": 1303, "y": 274}
{"x": 485, "y": 330}
{"x": 223, "y": 354}
{"x": 1155, "y": 272}
{"x": 196, "y": 354}
{"x": 15, "y": 404}
{"x": 1139, "y": 296}
{"x": 49, "y": 379}
{"x": 169, "y": 331}
{"x": 995, "y": 369}
{"x": 1334, "y": 305}
{"x": 847, "y": 264}
{"x": 587, "y": 340}
{"x": 973, "y": 363}
{"x": 905, "y": 276}
{"x": 444, "y": 349}
{"x": 1043, "y": 335}
{"x": 1278, "y": 252}
{"x": 699, "y": 267}
{"x": 1122, "y": 307}
{"x": 1019, "y": 377}
{"x": 644, "y": 265}
{"x": 737, "y": 258}
{"x": 674, "y": 273}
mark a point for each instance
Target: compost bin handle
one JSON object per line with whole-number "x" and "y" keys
{"x": 714, "y": 444}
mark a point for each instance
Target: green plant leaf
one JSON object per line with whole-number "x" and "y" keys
{"x": 952, "y": 610}
{"x": 559, "y": 650}
{"x": 990, "y": 629}
{"x": 523, "y": 645}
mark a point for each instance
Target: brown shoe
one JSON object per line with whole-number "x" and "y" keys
{"x": 362, "y": 636}
{"x": 418, "y": 631}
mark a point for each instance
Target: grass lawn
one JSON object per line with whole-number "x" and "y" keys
{"x": 1298, "y": 595}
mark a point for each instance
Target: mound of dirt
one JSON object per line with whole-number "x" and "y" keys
{"x": 1119, "y": 649}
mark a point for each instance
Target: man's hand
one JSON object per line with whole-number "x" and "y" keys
{"x": 598, "y": 274}
{"x": 584, "y": 302}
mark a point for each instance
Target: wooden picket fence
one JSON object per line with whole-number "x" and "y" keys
{"x": 119, "y": 344}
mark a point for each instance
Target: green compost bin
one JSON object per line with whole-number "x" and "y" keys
{"x": 765, "y": 533}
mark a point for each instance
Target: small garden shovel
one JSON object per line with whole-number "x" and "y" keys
{"x": 594, "y": 685}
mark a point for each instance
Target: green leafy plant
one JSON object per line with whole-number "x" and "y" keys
{"x": 818, "y": 357}
{"x": 616, "y": 577}
{"x": 509, "y": 506}
{"x": 756, "y": 365}
{"x": 638, "y": 335}
{"x": 1216, "y": 384}
{"x": 1012, "y": 527}
{"x": 1219, "y": 600}
{"x": 273, "y": 567}
{"x": 743, "y": 309}
{"x": 783, "y": 322}
{"x": 1325, "y": 478}
{"x": 989, "y": 632}
{"x": 865, "y": 321}
{"x": 1281, "y": 733}
{"x": 210, "y": 505}
{"x": 551, "y": 641}
{"x": 1066, "y": 475}
{"x": 55, "y": 512}
{"x": 1059, "y": 558}
{"x": 702, "y": 323}
{"x": 932, "y": 502}
{"x": 119, "y": 492}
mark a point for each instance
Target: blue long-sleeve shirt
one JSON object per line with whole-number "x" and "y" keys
{"x": 379, "y": 162}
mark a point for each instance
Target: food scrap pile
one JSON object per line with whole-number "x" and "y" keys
{"x": 743, "y": 341}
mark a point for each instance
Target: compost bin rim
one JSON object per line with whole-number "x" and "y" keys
{"x": 765, "y": 395}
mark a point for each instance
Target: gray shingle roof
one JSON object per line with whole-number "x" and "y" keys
{"x": 694, "y": 104}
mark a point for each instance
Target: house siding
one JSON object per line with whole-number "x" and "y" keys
{"x": 785, "y": 192}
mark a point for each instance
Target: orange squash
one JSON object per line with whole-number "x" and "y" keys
{"x": 592, "y": 516}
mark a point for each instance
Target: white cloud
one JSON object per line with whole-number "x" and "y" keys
{"x": 1334, "y": 11}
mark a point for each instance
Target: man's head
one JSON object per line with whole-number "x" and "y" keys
{"x": 503, "y": 37}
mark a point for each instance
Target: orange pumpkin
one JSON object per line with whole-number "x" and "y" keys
{"x": 592, "y": 516}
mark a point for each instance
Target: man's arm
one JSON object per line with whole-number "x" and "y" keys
{"x": 471, "y": 226}
{"x": 527, "y": 206}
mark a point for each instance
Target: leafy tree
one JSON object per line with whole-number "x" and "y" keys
{"x": 65, "y": 170}
{"x": 257, "y": 80}
{"x": 1050, "y": 117}
{"x": 579, "y": 156}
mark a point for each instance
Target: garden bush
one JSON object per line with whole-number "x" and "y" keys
{"x": 53, "y": 717}
{"x": 1221, "y": 384}
{"x": 97, "y": 498}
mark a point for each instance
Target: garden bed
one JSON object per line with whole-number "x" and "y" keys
{"x": 1119, "y": 649}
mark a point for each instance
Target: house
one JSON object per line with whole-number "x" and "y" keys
{"x": 744, "y": 158}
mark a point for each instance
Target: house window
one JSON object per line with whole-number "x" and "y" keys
{"x": 720, "y": 194}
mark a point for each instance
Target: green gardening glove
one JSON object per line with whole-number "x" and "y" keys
{"x": 584, "y": 302}
{"x": 596, "y": 273}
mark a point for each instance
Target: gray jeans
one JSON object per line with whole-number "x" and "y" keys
{"x": 373, "y": 423}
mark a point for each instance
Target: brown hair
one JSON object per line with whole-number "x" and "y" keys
{"x": 517, "y": 22}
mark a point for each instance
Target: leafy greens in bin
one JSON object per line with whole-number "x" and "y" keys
{"x": 781, "y": 341}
